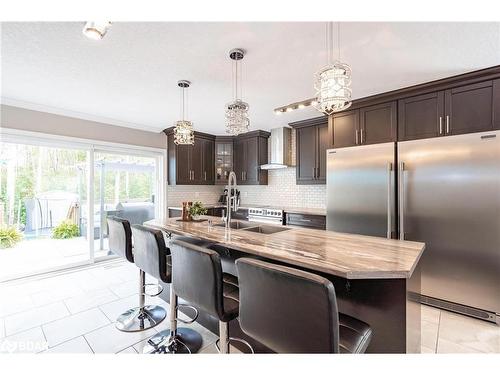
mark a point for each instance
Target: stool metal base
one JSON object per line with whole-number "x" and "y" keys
{"x": 186, "y": 341}
{"x": 137, "y": 320}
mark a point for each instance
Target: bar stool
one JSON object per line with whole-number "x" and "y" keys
{"x": 198, "y": 278}
{"x": 292, "y": 311}
{"x": 154, "y": 257}
{"x": 142, "y": 317}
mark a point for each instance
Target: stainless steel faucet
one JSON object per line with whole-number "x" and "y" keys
{"x": 232, "y": 201}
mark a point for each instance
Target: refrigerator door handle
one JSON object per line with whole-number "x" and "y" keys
{"x": 401, "y": 201}
{"x": 389, "y": 205}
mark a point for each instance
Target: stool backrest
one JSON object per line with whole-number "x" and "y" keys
{"x": 197, "y": 276}
{"x": 288, "y": 310}
{"x": 150, "y": 253}
{"x": 120, "y": 237}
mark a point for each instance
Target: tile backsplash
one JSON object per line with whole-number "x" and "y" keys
{"x": 281, "y": 191}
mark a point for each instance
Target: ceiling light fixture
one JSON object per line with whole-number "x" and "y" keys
{"x": 96, "y": 30}
{"x": 293, "y": 106}
{"x": 237, "y": 120}
{"x": 332, "y": 83}
{"x": 183, "y": 131}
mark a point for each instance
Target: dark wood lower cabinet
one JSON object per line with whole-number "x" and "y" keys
{"x": 306, "y": 221}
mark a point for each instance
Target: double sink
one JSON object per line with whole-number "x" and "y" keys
{"x": 252, "y": 227}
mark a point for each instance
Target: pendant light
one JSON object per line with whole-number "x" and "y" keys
{"x": 183, "y": 131}
{"x": 332, "y": 83}
{"x": 237, "y": 120}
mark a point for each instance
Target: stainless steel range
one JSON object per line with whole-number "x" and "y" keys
{"x": 265, "y": 215}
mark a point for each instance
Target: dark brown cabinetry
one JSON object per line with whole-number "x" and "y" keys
{"x": 250, "y": 151}
{"x": 191, "y": 164}
{"x": 223, "y": 159}
{"x": 364, "y": 126}
{"x": 312, "y": 141}
{"x": 459, "y": 110}
{"x": 378, "y": 123}
{"x": 306, "y": 221}
{"x": 345, "y": 129}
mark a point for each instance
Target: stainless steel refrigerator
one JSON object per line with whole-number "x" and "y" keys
{"x": 446, "y": 193}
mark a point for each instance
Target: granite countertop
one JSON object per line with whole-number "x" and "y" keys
{"x": 346, "y": 255}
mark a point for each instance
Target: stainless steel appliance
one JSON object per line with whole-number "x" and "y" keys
{"x": 361, "y": 190}
{"x": 265, "y": 215}
{"x": 448, "y": 196}
{"x": 450, "y": 199}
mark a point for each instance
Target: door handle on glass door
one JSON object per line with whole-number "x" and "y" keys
{"x": 401, "y": 201}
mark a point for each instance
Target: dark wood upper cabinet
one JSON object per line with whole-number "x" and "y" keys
{"x": 306, "y": 154}
{"x": 496, "y": 104}
{"x": 469, "y": 109}
{"x": 421, "y": 116}
{"x": 459, "y": 110}
{"x": 250, "y": 152}
{"x": 312, "y": 139}
{"x": 345, "y": 129}
{"x": 224, "y": 162}
{"x": 378, "y": 123}
{"x": 323, "y": 145}
{"x": 191, "y": 164}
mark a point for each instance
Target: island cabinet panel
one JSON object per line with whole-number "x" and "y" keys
{"x": 311, "y": 142}
{"x": 378, "y": 123}
{"x": 191, "y": 164}
{"x": 250, "y": 152}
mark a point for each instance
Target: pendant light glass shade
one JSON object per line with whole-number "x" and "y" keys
{"x": 236, "y": 111}
{"x": 332, "y": 83}
{"x": 183, "y": 131}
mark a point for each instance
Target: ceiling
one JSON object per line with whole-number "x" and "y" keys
{"x": 129, "y": 78}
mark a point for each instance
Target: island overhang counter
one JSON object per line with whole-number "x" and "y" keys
{"x": 376, "y": 280}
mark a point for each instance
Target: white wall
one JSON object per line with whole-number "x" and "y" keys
{"x": 281, "y": 191}
{"x": 48, "y": 123}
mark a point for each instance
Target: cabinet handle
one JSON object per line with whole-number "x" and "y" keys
{"x": 447, "y": 124}
{"x": 317, "y": 173}
{"x": 314, "y": 173}
{"x": 361, "y": 136}
{"x": 440, "y": 125}
{"x": 193, "y": 175}
{"x": 205, "y": 175}
{"x": 356, "y": 136}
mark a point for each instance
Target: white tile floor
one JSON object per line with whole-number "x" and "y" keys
{"x": 74, "y": 312}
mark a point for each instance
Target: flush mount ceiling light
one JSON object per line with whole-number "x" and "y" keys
{"x": 332, "y": 83}
{"x": 237, "y": 120}
{"x": 96, "y": 29}
{"x": 183, "y": 131}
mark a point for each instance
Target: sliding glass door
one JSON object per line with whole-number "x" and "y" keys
{"x": 55, "y": 197}
{"x": 124, "y": 186}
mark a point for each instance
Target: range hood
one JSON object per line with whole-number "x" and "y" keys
{"x": 281, "y": 149}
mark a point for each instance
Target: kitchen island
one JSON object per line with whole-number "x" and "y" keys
{"x": 376, "y": 280}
